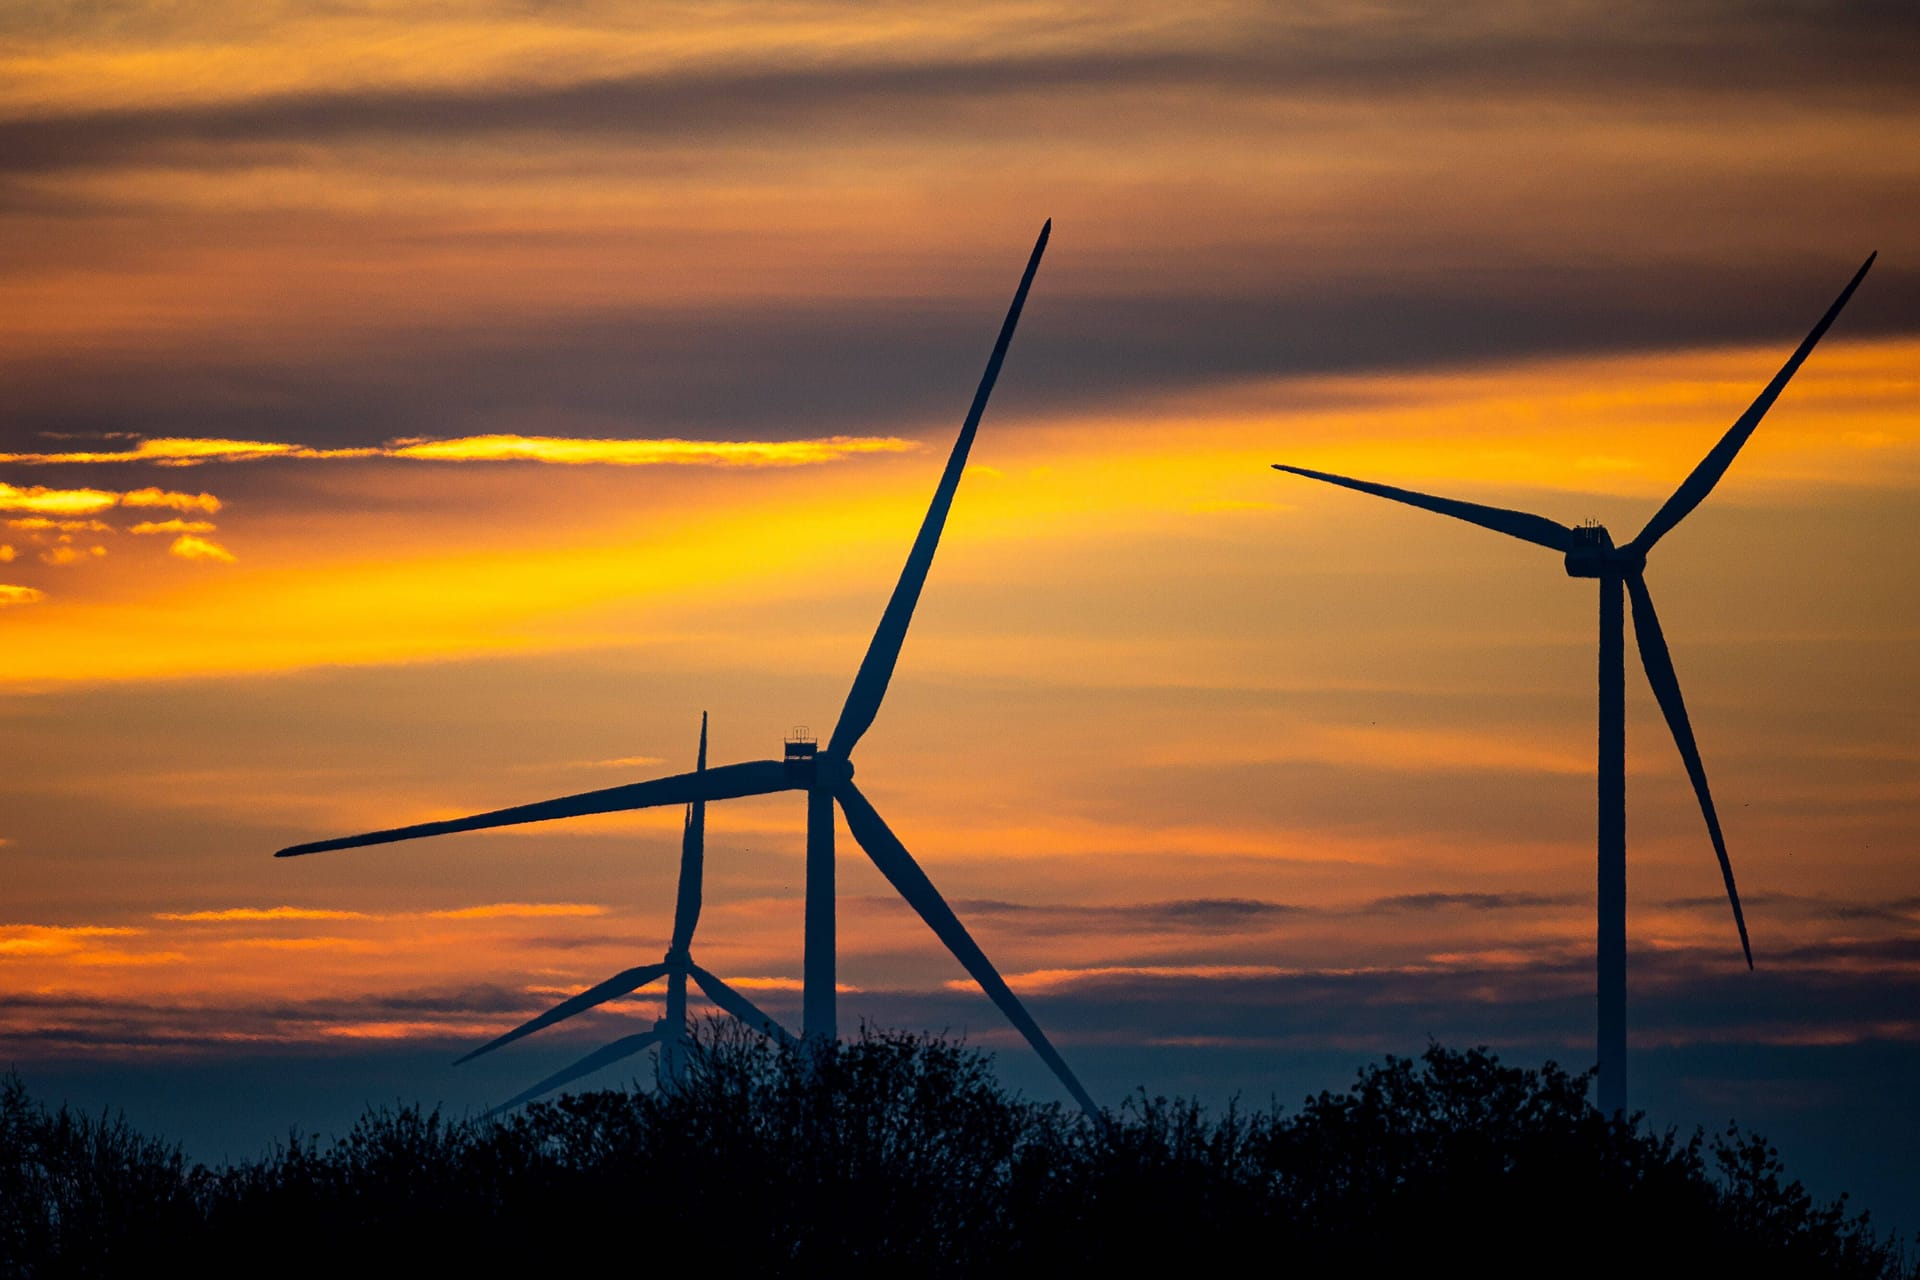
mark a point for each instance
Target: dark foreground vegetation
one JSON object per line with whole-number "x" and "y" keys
{"x": 905, "y": 1155}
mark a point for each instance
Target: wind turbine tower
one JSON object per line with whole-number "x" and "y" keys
{"x": 1590, "y": 553}
{"x": 825, "y": 775}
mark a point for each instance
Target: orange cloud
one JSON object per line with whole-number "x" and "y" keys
{"x": 165, "y": 498}
{"x": 86, "y": 502}
{"x": 178, "y": 451}
{"x": 566, "y": 450}
{"x": 60, "y": 502}
{"x": 64, "y": 526}
{"x": 190, "y": 546}
{"x": 173, "y": 526}
{"x": 10, "y": 594}
{"x": 306, "y": 944}
{"x": 261, "y": 913}
{"x": 6, "y": 553}
{"x": 484, "y": 911}
{"x": 404, "y": 1030}
{"x": 516, "y": 910}
{"x": 644, "y": 453}
{"x": 70, "y": 554}
{"x": 127, "y": 959}
{"x": 187, "y": 452}
{"x": 55, "y": 939}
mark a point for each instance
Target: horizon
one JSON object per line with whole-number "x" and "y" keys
{"x": 405, "y": 417}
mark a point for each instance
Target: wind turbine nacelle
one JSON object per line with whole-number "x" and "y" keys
{"x": 802, "y": 753}
{"x": 1592, "y": 554}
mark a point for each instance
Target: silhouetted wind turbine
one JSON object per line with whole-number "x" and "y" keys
{"x": 826, "y": 776}
{"x": 670, "y": 1032}
{"x": 1590, "y": 553}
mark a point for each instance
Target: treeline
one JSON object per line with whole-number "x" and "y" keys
{"x": 899, "y": 1153}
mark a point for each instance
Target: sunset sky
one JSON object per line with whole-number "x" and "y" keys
{"x": 408, "y": 409}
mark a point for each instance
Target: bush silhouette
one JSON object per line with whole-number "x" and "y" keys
{"x": 895, "y": 1152}
{"x": 82, "y": 1196}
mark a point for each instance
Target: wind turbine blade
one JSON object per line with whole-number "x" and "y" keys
{"x": 613, "y": 988}
{"x": 740, "y": 1007}
{"x": 693, "y": 857}
{"x": 898, "y": 866}
{"x": 876, "y": 669}
{"x": 1694, "y": 489}
{"x": 1666, "y": 688}
{"x": 602, "y": 1057}
{"x": 1518, "y": 524}
{"x": 728, "y": 782}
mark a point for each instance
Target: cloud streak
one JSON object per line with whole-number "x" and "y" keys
{"x": 172, "y": 526}
{"x": 152, "y": 497}
{"x": 519, "y": 911}
{"x": 644, "y": 453}
{"x": 1583, "y": 52}
{"x": 561, "y": 450}
{"x": 1810, "y": 995}
{"x": 1188, "y": 913}
{"x": 69, "y": 944}
{"x": 41, "y": 524}
{"x": 180, "y": 452}
{"x": 482, "y": 911}
{"x": 229, "y": 915}
{"x": 1471, "y": 901}
{"x": 191, "y": 546}
{"x": 65, "y": 554}
{"x": 55, "y": 502}
{"x": 50, "y": 502}
{"x": 827, "y": 365}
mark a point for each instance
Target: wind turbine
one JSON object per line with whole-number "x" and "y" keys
{"x": 826, "y": 776}
{"x": 1590, "y": 553}
{"x": 670, "y": 1032}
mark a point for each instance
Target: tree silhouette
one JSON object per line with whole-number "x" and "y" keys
{"x": 895, "y": 1152}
